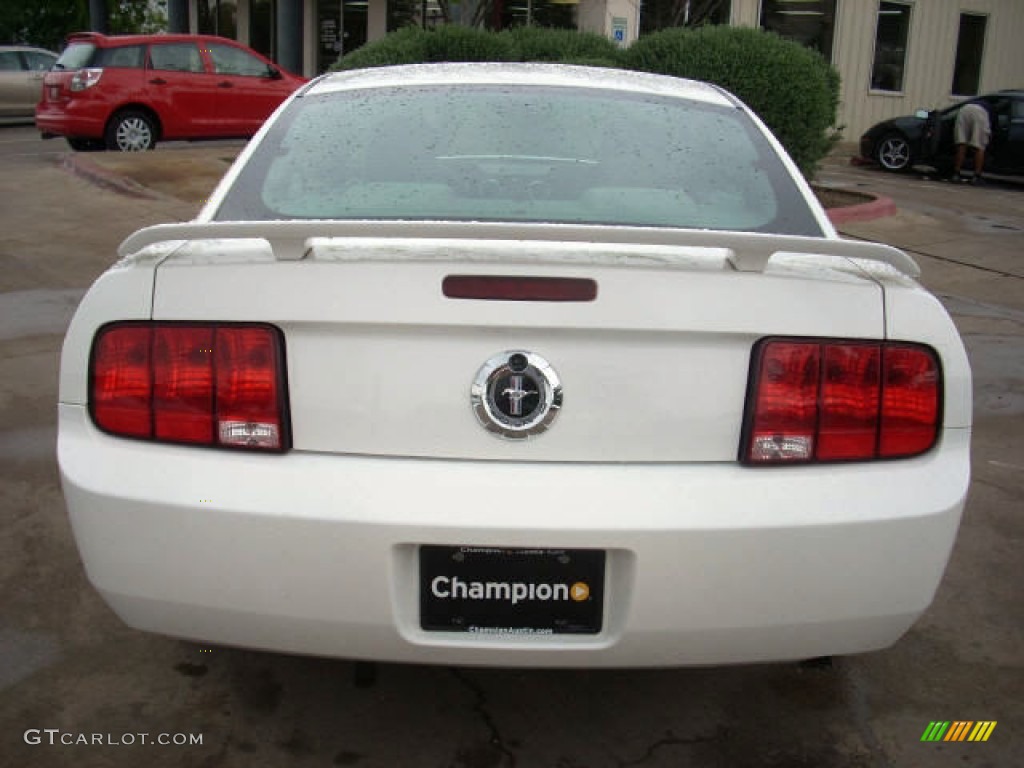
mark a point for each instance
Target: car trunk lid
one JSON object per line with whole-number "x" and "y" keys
{"x": 382, "y": 362}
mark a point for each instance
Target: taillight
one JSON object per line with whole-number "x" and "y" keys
{"x": 825, "y": 400}
{"x": 201, "y": 383}
{"x": 85, "y": 78}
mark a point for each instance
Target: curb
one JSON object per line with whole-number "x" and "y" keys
{"x": 85, "y": 169}
{"x": 878, "y": 208}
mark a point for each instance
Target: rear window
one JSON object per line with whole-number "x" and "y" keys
{"x": 127, "y": 56}
{"x": 39, "y": 61}
{"x": 533, "y": 154}
{"x": 10, "y": 61}
{"x": 76, "y": 56}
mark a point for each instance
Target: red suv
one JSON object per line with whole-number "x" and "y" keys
{"x": 128, "y": 92}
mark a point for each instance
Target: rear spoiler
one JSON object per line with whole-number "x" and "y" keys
{"x": 745, "y": 251}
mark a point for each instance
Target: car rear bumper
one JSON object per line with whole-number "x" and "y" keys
{"x": 74, "y": 118}
{"x": 318, "y": 554}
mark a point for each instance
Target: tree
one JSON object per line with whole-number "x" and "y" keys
{"x": 130, "y": 17}
{"x": 47, "y": 23}
{"x": 41, "y": 22}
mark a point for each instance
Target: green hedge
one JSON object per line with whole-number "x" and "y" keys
{"x": 792, "y": 88}
{"x": 561, "y": 45}
{"x": 413, "y": 45}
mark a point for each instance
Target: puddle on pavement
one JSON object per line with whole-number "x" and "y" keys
{"x": 986, "y": 225}
{"x": 997, "y": 365}
{"x": 959, "y": 306}
{"x": 32, "y": 443}
{"x": 24, "y": 654}
{"x": 37, "y": 313}
{"x": 997, "y": 360}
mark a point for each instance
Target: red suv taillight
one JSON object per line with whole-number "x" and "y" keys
{"x": 212, "y": 384}
{"x": 85, "y": 78}
{"x": 833, "y": 400}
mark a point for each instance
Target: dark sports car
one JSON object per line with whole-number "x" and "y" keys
{"x": 926, "y": 138}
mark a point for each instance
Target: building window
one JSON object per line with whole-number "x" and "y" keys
{"x": 662, "y": 14}
{"x": 218, "y": 17}
{"x": 262, "y": 20}
{"x": 970, "y": 45}
{"x": 809, "y": 22}
{"x": 890, "y": 47}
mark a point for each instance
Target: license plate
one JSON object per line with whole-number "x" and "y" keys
{"x": 495, "y": 591}
{"x": 54, "y": 93}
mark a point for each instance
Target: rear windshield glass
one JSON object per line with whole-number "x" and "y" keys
{"x": 506, "y": 153}
{"x": 76, "y": 56}
{"x": 128, "y": 56}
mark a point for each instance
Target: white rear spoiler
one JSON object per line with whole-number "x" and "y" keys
{"x": 294, "y": 240}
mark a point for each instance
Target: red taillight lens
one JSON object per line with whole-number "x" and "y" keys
{"x": 183, "y": 384}
{"x": 201, "y": 383}
{"x": 85, "y": 78}
{"x": 840, "y": 401}
{"x": 910, "y": 401}
{"x": 848, "y": 427}
{"x": 122, "y": 381}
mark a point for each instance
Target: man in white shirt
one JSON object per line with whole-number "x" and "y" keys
{"x": 973, "y": 128}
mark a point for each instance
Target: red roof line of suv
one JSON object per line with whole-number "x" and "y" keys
{"x": 163, "y": 37}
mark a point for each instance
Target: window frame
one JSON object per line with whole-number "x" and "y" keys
{"x": 211, "y": 46}
{"x": 14, "y": 56}
{"x": 28, "y": 56}
{"x": 981, "y": 55}
{"x": 901, "y": 91}
{"x": 106, "y": 53}
{"x": 180, "y": 44}
{"x": 831, "y": 54}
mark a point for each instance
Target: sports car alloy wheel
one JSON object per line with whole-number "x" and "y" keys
{"x": 894, "y": 153}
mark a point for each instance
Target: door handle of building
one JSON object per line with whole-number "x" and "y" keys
{"x": 158, "y": 81}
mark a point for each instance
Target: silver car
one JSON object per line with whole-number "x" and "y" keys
{"x": 21, "y": 79}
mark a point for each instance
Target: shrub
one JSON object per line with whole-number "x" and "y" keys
{"x": 791, "y": 88}
{"x": 560, "y": 45}
{"x": 406, "y": 46}
{"x": 412, "y": 45}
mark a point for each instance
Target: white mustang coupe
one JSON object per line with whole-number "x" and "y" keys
{"x": 519, "y": 365}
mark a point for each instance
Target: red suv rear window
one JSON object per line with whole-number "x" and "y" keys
{"x": 76, "y": 56}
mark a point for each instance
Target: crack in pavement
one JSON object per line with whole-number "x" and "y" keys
{"x": 668, "y": 741}
{"x": 480, "y": 707}
{"x": 949, "y": 260}
{"x": 857, "y": 696}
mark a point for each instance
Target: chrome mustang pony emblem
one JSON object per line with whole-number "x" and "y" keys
{"x": 516, "y": 394}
